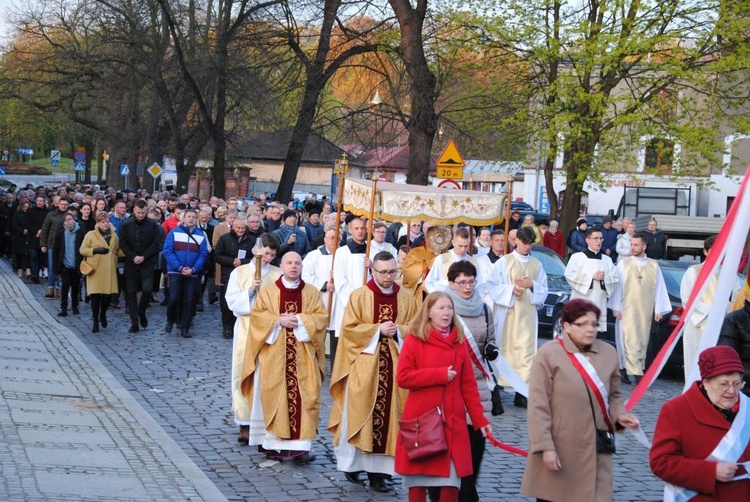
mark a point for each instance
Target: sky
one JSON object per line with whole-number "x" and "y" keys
{"x": 4, "y": 5}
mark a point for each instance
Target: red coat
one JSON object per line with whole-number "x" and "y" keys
{"x": 423, "y": 371}
{"x": 687, "y": 431}
{"x": 554, "y": 242}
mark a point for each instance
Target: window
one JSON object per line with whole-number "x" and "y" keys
{"x": 659, "y": 155}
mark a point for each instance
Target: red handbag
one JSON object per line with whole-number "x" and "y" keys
{"x": 424, "y": 437}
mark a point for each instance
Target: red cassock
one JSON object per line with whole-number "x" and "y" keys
{"x": 423, "y": 371}
{"x": 687, "y": 431}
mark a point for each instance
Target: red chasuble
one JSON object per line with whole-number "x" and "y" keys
{"x": 385, "y": 309}
{"x": 291, "y": 303}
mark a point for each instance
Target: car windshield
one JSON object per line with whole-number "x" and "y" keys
{"x": 673, "y": 279}
{"x": 551, "y": 263}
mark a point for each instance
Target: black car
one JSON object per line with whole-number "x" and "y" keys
{"x": 558, "y": 294}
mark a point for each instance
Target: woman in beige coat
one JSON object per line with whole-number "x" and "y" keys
{"x": 563, "y": 464}
{"x": 100, "y": 249}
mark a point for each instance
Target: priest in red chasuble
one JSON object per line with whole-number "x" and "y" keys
{"x": 284, "y": 363}
{"x": 366, "y": 401}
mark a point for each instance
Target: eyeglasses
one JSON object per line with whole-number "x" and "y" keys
{"x": 463, "y": 284}
{"x": 584, "y": 324}
{"x": 385, "y": 273}
{"x": 724, "y": 386}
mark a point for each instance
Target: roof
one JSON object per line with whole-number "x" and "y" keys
{"x": 261, "y": 145}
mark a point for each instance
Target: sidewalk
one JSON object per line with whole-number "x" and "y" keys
{"x": 70, "y": 431}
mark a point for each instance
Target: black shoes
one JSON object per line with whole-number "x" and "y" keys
{"x": 185, "y": 333}
{"x": 520, "y": 401}
{"x": 228, "y": 333}
{"x": 212, "y": 299}
{"x": 103, "y": 319}
{"x": 133, "y": 328}
{"x": 377, "y": 483}
{"x": 62, "y": 313}
{"x": 76, "y": 311}
{"x": 199, "y": 307}
{"x": 168, "y": 327}
{"x": 244, "y": 437}
{"x": 95, "y": 327}
{"x": 304, "y": 459}
{"x": 353, "y": 477}
{"x": 624, "y": 377}
{"x": 143, "y": 320}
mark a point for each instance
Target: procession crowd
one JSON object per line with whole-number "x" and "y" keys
{"x": 424, "y": 324}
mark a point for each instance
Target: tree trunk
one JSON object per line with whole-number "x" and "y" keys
{"x": 422, "y": 123}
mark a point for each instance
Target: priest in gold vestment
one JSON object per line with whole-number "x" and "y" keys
{"x": 518, "y": 284}
{"x": 282, "y": 372}
{"x": 367, "y": 403}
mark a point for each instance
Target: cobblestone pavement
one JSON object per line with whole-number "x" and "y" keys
{"x": 69, "y": 430}
{"x": 184, "y": 385}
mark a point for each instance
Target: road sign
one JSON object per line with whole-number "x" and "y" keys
{"x": 450, "y": 157}
{"x": 450, "y": 173}
{"x": 54, "y": 155}
{"x": 2, "y": 171}
{"x": 154, "y": 170}
{"x": 80, "y": 154}
{"x": 124, "y": 170}
{"x": 55, "y": 162}
{"x": 80, "y": 166}
{"x": 25, "y": 151}
{"x": 452, "y": 184}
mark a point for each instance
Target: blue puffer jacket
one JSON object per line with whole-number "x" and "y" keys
{"x": 185, "y": 248}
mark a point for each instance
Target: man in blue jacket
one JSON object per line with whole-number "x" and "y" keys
{"x": 290, "y": 235}
{"x": 186, "y": 252}
{"x": 609, "y": 234}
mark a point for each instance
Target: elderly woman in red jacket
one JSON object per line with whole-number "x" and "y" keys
{"x": 702, "y": 437}
{"x": 435, "y": 367}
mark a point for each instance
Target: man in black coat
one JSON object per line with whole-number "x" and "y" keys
{"x": 7, "y": 209}
{"x": 656, "y": 242}
{"x": 35, "y": 220}
{"x": 66, "y": 260}
{"x": 141, "y": 240}
{"x": 233, "y": 249}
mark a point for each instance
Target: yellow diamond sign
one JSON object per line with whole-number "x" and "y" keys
{"x": 154, "y": 170}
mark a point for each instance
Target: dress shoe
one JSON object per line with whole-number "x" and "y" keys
{"x": 520, "y": 401}
{"x": 62, "y": 313}
{"x": 624, "y": 377}
{"x": 133, "y": 328}
{"x": 244, "y": 437}
{"x": 353, "y": 477}
{"x": 103, "y": 320}
{"x": 185, "y": 333}
{"x": 95, "y": 327}
{"x": 377, "y": 484}
{"x": 34, "y": 279}
{"x": 168, "y": 327}
{"x": 76, "y": 311}
{"x": 50, "y": 293}
{"x": 304, "y": 459}
{"x": 227, "y": 333}
{"x": 212, "y": 299}
{"x": 143, "y": 320}
{"x": 199, "y": 307}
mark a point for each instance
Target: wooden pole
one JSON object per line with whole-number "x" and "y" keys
{"x": 508, "y": 196}
{"x": 369, "y": 222}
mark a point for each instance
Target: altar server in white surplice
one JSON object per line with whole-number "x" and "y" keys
{"x": 592, "y": 275}
{"x": 640, "y": 298}
{"x": 517, "y": 285}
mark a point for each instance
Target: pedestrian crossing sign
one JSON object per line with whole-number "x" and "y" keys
{"x": 124, "y": 170}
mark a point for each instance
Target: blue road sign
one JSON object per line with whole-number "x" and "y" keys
{"x": 25, "y": 151}
{"x": 80, "y": 166}
{"x": 79, "y": 156}
{"x": 2, "y": 171}
{"x": 55, "y": 162}
{"x": 124, "y": 170}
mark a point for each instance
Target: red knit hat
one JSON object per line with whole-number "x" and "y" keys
{"x": 718, "y": 361}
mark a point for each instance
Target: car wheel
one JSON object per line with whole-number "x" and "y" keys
{"x": 557, "y": 330}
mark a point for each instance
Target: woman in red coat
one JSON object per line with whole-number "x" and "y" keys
{"x": 691, "y": 427}
{"x": 554, "y": 240}
{"x": 434, "y": 362}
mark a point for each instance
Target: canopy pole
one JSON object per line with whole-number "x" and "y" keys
{"x": 508, "y": 197}
{"x": 369, "y": 222}
{"x": 340, "y": 167}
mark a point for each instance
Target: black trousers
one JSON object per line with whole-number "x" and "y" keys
{"x": 181, "y": 299}
{"x": 132, "y": 286}
{"x": 71, "y": 283}
{"x": 99, "y": 306}
{"x": 227, "y": 316}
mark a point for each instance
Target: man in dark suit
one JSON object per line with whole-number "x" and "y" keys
{"x": 204, "y": 219}
{"x": 140, "y": 239}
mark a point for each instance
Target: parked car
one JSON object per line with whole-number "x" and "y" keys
{"x": 558, "y": 294}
